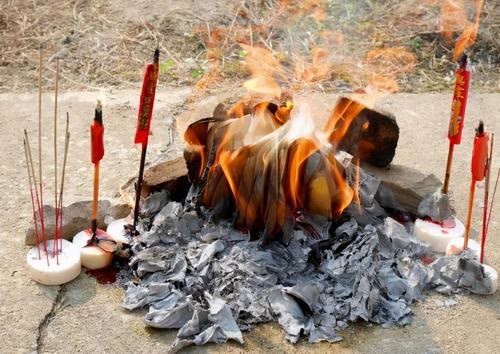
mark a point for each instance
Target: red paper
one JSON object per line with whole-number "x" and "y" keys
{"x": 146, "y": 104}
{"x": 479, "y": 157}
{"x": 462, "y": 78}
{"x": 96, "y": 142}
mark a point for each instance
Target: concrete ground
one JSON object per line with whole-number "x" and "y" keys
{"x": 86, "y": 317}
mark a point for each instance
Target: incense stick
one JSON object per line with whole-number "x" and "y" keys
{"x": 63, "y": 174}
{"x": 493, "y": 199}
{"x": 40, "y": 206}
{"x": 486, "y": 199}
{"x": 41, "y": 211}
{"x": 55, "y": 151}
{"x": 40, "y": 115}
{"x": 37, "y": 241}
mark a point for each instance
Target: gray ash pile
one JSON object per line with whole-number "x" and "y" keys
{"x": 281, "y": 225}
{"x": 211, "y": 282}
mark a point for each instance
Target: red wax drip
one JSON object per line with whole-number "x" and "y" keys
{"x": 445, "y": 224}
{"x": 104, "y": 276}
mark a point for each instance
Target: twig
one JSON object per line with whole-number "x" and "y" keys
{"x": 251, "y": 34}
{"x": 230, "y": 28}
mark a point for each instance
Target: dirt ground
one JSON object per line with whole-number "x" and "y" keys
{"x": 87, "y": 317}
{"x": 104, "y": 43}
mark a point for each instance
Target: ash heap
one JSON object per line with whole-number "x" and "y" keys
{"x": 282, "y": 224}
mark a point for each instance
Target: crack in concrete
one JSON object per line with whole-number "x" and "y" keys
{"x": 57, "y": 305}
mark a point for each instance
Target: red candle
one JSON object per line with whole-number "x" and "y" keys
{"x": 146, "y": 102}
{"x": 479, "y": 155}
{"x": 459, "y": 103}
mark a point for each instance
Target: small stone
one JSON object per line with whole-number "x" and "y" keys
{"x": 76, "y": 217}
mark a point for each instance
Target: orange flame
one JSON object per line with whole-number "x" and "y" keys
{"x": 264, "y": 67}
{"x": 341, "y": 118}
{"x": 384, "y": 65}
{"x": 274, "y": 163}
{"x": 453, "y": 19}
{"x": 469, "y": 35}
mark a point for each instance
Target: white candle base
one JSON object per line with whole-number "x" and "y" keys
{"x": 456, "y": 246}
{"x": 92, "y": 257}
{"x": 438, "y": 236}
{"x": 56, "y": 273}
{"x": 492, "y": 277}
{"x": 116, "y": 229}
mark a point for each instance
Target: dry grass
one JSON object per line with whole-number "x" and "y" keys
{"x": 104, "y": 46}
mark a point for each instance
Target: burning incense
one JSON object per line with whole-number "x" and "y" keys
{"x": 37, "y": 240}
{"x": 478, "y": 169}
{"x": 486, "y": 198}
{"x": 97, "y": 152}
{"x": 144, "y": 122}
{"x": 459, "y": 103}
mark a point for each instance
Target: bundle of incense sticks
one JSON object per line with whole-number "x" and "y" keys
{"x": 36, "y": 186}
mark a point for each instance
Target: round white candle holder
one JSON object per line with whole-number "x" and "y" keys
{"x": 116, "y": 229}
{"x": 438, "y": 235}
{"x": 59, "y": 269}
{"x": 92, "y": 257}
{"x": 456, "y": 246}
{"x": 492, "y": 278}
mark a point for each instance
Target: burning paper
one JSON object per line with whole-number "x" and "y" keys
{"x": 275, "y": 163}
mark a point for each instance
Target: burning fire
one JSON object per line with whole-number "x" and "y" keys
{"x": 270, "y": 161}
{"x": 454, "y": 19}
{"x": 272, "y": 165}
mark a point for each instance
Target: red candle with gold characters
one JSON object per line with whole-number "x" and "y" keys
{"x": 147, "y": 101}
{"x": 144, "y": 122}
{"x": 458, "y": 106}
{"x": 459, "y": 103}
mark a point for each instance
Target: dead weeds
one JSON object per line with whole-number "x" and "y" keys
{"x": 106, "y": 43}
